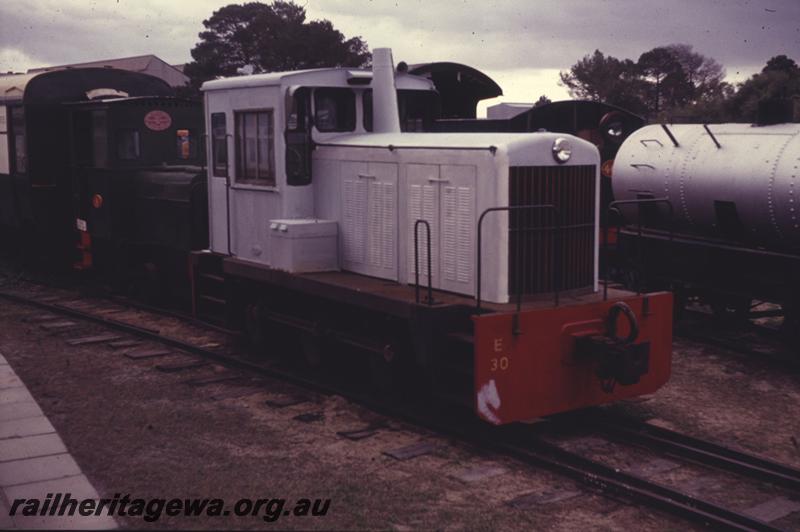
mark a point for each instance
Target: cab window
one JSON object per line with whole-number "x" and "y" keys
{"x": 334, "y": 110}
{"x": 255, "y": 158}
{"x": 219, "y": 145}
{"x": 18, "y": 133}
{"x": 128, "y": 144}
{"x": 417, "y": 109}
{"x": 100, "y": 139}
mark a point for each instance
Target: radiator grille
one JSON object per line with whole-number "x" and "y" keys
{"x": 532, "y": 233}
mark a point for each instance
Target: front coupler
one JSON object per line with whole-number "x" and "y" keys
{"x": 617, "y": 360}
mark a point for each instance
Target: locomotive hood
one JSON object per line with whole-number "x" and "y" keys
{"x": 520, "y": 148}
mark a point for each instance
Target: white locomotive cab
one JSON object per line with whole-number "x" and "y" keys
{"x": 373, "y": 185}
{"x": 250, "y": 120}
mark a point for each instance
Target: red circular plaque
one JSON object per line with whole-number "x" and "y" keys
{"x": 157, "y": 120}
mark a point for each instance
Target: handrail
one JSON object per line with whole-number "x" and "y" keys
{"x": 416, "y": 261}
{"x": 612, "y": 207}
{"x": 556, "y": 246}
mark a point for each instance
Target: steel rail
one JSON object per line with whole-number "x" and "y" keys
{"x": 780, "y": 353}
{"x": 509, "y": 441}
{"x": 221, "y": 357}
{"x": 699, "y": 450}
{"x": 611, "y": 480}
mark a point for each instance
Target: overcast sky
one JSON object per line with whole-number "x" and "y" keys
{"x": 521, "y": 44}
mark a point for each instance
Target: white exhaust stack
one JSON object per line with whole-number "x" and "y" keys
{"x": 385, "y": 113}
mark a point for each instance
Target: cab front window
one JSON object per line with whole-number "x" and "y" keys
{"x": 334, "y": 110}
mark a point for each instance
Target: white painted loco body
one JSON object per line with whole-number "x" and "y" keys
{"x": 374, "y": 186}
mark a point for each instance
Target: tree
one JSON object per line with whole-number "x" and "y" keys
{"x": 703, "y": 73}
{"x": 268, "y": 38}
{"x": 668, "y": 83}
{"x": 780, "y": 63}
{"x": 779, "y": 79}
{"x": 605, "y": 78}
{"x": 665, "y": 82}
{"x": 543, "y": 100}
{"x": 701, "y": 91}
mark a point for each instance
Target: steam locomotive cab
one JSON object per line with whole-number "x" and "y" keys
{"x": 35, "y": 180}
{"x": 139, "y": 190}
{"x": 467, "y": 260}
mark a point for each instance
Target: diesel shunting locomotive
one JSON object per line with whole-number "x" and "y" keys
{"x": 465, "y": 261}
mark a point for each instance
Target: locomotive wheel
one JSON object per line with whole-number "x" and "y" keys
{"x": 313, "y": 346}
{"x": 383, "y": 377}
{"x": 385, "y": 371}
{"x": 254, "y": 328}
{"x": 268, "y": 340}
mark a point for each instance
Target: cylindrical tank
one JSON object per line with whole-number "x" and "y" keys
{"x": 740, "y": 182}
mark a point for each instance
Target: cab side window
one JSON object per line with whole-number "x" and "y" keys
{"x": 334, "y": 110}
{"x": 20, "y": 147}
{"x": 219, "y": 145}
{"x": 100, "y": 138}
{"x": 128, "y": 144}
{"x": 255, "y": 158}
{"x": 5, "y": 160}
{"x": 417, "y": 109}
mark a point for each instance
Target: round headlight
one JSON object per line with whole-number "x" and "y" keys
{"x": 614, "y": 130}
{"x": 562, "y": 150}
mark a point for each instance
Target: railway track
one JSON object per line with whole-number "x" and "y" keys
{"x": 742, "y": 337}
{"x": 612, "y": 481}
{"x": 530, "y": 445}
{"x": 694, "y": 449}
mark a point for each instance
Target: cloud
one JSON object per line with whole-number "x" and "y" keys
{"x": 525, "y": 86}
{"x": 58, "y": 32}
{"x": 556, "y": 33}
{"x": 15, "y": 60}
{"x": 504, "y": 36}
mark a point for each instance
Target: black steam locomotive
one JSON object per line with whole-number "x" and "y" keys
{"x": 102, "y": 169}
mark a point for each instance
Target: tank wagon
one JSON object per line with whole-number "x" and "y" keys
{"x": 726, "y": 221}
{"x": 463, "y": 264}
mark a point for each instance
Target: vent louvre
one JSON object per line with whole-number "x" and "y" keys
{"x": 530, "y": 261}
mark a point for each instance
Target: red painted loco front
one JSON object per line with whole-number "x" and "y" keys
{"x": 541, "y": 370}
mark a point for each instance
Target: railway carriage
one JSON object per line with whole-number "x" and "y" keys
{"x": 467, "y": 262}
